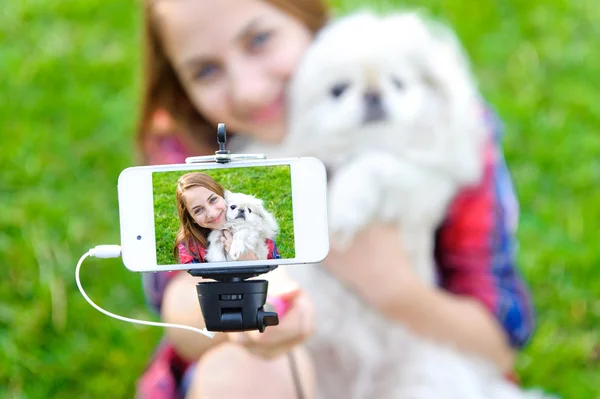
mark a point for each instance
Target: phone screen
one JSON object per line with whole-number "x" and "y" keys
{"x": 258, "y": 196}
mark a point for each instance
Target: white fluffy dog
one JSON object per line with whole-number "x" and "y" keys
{"x": 249, "y": 223}
{"x": 389, "y": 105}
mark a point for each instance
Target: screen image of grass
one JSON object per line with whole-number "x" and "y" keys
{"x": 272, "y": 184}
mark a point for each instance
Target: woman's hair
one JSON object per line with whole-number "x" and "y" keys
{"x": 190, "y": 233}
{"x": 161, "y": 88}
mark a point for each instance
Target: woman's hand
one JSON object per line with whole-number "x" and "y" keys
{"x": 295, "y": 325}
{"x": 227, "y": 239}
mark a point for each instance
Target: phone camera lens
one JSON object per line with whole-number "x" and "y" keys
{"x": 139, "y": 237}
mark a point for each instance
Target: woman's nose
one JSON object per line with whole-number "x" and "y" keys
{"x": 212, "y": 213}
{"x": 249, "y": 88}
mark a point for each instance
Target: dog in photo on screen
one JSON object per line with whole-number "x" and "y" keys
{"x": 250, "y": 224}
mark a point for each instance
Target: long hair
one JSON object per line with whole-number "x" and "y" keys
{"x": 190, "y": 233}
{"x": 161, "y": 87}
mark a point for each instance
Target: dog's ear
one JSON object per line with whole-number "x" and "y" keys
{"x": 258, "y": 207}
{"x": 442, "y": 60}
{"x": 444, "y": 67}
{"x": 270, "y": 226}
{"x": 227, "y": 194}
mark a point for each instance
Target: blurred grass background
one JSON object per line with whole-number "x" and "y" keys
{"x": 68, "y": 95}
{"x": 272, "y": 184}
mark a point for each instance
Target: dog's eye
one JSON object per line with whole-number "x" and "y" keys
{"x": 249, "y": 210}
{"x": 338, "y": 89}
{"x": 233, "y": 207}
{"x": 398, "y": 83}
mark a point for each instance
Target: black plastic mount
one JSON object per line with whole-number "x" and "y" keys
{"x": 221, "y": 154}
{"x": 232, "y": 303}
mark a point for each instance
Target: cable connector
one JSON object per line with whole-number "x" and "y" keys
{"x": 106, "y": 251}
{"x": 114, "y": 251}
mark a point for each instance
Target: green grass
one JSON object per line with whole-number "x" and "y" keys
{"x": 271, "y": 184}
{"x": 69, "y": 93}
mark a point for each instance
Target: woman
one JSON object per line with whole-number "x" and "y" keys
{"x": 201, "y": 208}
{"x": 229, "y": 61}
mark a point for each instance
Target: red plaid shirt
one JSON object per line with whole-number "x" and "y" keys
{"x": 475, "y": 253}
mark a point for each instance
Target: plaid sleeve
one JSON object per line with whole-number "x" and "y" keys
{"x": 163, "y": 142}
{"x": 273, "y": 251}
{"x": 476, "y": 246}
{"x": 154, "y": 284}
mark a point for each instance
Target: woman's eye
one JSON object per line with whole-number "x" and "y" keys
{"x": 233, "y": 207}
{"x": 198, "y": 211}
{"x": 259, "y": 39}
{"x": 206, "y": 71}
{"x": 213, "y": 200}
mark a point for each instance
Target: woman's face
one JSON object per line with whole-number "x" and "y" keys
{"x": 206, "y": 207}
{"x": 234, "y": 58}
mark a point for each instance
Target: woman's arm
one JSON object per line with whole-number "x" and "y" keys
{"x": 180, "y": 306}
{"x": 483, "y": 306}
{"x": 395, "y": 291}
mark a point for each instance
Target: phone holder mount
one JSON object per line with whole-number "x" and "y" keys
{"x": 232, "y": 302}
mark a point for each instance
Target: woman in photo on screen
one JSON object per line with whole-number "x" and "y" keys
{"x": 201, "y": 208}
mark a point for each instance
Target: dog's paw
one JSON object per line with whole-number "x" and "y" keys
{"x": 343, "y": 228}
{"x": 350, "y": 209}
{"x": 236, "y": 249}
{"x": 346, "y": 219}
{"x": 341, "y": 240}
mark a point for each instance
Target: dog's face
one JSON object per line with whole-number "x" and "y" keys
{"x": 243, "y": 207}
{"x": 247, "y": 209}
{"x": 379, "y": 82}
{"x": 351, "y": 79}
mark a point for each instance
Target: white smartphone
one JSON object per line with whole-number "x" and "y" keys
{"x": 292, "y": 190}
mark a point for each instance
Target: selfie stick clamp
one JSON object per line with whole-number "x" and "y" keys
{"x": 223, "y": 155}
{"x": 230, "y": 303}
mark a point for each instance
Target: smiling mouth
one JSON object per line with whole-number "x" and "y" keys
{"x": 217, "y": 219}
{"x": 270, "y": 112}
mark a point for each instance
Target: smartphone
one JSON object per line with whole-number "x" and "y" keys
{"x": 292, "y": 190}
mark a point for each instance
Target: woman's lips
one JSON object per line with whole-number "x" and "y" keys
{"x": 269, "y": 112}
{"x": 218, "y": 219}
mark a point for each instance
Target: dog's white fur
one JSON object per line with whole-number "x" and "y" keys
{"x": 389, "y": 105}
{"x": 249, "y": 223}
{"x": 424, "y": 137}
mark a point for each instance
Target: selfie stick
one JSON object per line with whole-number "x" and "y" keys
{"x": 230, "y": 303}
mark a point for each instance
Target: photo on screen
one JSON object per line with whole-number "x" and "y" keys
{"x": 271, "y": 184}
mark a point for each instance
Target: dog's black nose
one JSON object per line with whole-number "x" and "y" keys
{"x": 240, "y": 215}
{"x": 372, "y": 98}
{"x": 374, "y": 110}
{"x": 241, "y": 210}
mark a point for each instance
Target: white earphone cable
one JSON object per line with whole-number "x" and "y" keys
{"x": 114, "y": 251}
